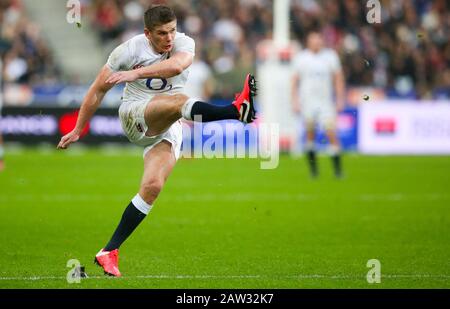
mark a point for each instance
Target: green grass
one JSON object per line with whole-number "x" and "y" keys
{"x": 227, "y": 224}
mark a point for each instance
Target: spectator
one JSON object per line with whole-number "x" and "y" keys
{"x": 26, "y": 56}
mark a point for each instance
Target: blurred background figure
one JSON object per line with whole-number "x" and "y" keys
{"x": 318, "y": 94}
{"x": 200, "y": 83}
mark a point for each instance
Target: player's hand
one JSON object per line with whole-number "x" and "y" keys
{"x": 122, "y": 77}
{"x": 68, "y": 139}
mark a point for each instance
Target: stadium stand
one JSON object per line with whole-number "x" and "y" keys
{"x": 26, "y": 56}
{"x": 404, "y": 52}
{"x": 399, "y": 58}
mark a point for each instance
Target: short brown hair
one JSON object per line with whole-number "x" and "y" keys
{"x": 157, "y": 16}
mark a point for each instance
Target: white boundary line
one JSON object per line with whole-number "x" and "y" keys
{"x": 294, "y": 277}
{"x": 283, "y": 197}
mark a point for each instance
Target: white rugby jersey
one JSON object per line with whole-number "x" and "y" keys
{"x": 316, "y": 72}
{"x": 137, "y": 52}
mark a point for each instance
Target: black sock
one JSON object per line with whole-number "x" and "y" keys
{"x": 312, "y": 162}
{"x": 210, "y": 112}
{"x": 337, "y": 165}
{"x": 130, "y": 220}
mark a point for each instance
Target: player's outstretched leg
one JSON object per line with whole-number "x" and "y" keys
{"x": 242, "y": 108}
{"x": 158, "y": 163}
{"x": 164, "y": 110}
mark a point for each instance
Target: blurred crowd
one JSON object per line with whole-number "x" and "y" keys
{"x": 25, "y": 55}
{"x": 408, "y": 53}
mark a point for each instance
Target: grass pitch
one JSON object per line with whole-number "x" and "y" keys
{"x": 227, "y": 224}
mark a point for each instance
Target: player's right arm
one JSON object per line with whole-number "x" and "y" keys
{"x": 90, "y": 104}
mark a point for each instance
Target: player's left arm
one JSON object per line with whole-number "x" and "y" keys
{"x": 338, "y": 79}
{"x": 295, "y": 101}
{"x": 339, "y": 88}
{"x": 171, "y": 67}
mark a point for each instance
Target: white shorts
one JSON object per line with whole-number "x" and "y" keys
{"x": 322, "y": 114}
{"x": 132, "y": 119}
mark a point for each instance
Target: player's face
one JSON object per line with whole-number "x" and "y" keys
{"x": 315, "y": 42}
{"x": 162, "y": 37}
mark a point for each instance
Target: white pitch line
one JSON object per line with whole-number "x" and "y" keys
{"x": 246, "y": 197}
{"x": 197, "y": 277}
{"x": 298, "y": 277}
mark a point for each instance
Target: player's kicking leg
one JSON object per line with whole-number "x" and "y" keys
{"x": 158, "y": 163}
{"x": 164, "y": 110}
{"x": 160, "y": 114}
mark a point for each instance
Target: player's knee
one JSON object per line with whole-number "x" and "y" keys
{"x": 180, "y": 98}
{"x": 177, "y": 101}
{"x": 172, "y": 104}
{"x": 151, "y": 189}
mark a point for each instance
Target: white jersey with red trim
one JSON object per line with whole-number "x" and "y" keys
{"x": 138, "y": 52}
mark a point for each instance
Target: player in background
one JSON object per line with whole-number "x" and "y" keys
{"x": 318, "y": 90}
{"x": 154, "y": 66}
{"x": 200, "y": 83}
